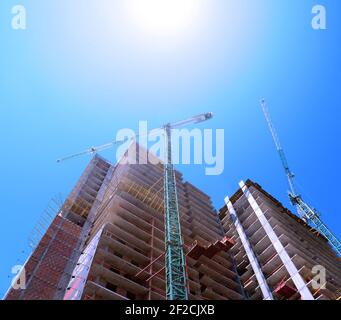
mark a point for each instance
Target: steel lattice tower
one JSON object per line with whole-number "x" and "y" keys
{"x": 176, "y": 282}
{"x": 307, "y": 213}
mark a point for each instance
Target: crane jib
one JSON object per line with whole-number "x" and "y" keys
{"x": 305, "y": 211}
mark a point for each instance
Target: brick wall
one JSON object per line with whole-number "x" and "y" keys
{"x": 47, "y": 263}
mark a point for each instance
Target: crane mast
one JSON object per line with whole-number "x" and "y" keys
{"x": 305, "y": 211}
{"x": 290, "y": 175}
{"x": 176, "y": 278}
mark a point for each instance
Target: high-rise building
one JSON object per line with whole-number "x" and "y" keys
{"x": 278, "y": 255}
{"x": 107, "y": 242}
{"x": 50, "y": 266}
{"x": 117, "y": 221}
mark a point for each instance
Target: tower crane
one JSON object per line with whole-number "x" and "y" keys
{"x": 176, "y": 279}
{"x": 305, "y": 211}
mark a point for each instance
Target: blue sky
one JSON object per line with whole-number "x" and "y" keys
{"x": 84, "y": 69}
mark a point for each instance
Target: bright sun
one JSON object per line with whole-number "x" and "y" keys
{"x": 163, "y": 17}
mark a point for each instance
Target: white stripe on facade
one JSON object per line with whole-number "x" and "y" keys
{"x": 290, "y": 266}
{"x": 267, "y": 295}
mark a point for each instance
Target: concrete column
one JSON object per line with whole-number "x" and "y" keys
{"x": 284, "y": 256}
{"x": 267, "y": 295}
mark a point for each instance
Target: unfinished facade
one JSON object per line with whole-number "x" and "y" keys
{"x": 120, "y": 249}
{"x": 50, "y": 266}
{"x": 124, "y": 258}
{"x": 278, "y": 255}
{"x": 107, "y": 242}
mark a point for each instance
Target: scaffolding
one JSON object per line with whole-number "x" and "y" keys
{"x": 57, "y": 239}
{"x": 52, "y": 209}
{"x": 195, "y": 251}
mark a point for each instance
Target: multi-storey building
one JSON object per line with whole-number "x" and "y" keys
{"x": 118, "y": 252}
{"x": 278, "y": 255}
{"x": 107, "y": 242}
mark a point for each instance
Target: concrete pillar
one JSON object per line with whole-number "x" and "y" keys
{"x": 267, "y": 295}
{"x": 284, "y": 256}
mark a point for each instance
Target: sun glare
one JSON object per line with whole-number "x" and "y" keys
{"x": 163, "y": 17}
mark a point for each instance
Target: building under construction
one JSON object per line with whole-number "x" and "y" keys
{"x": 278, "y": 255}
{"x": 107, "y": 242}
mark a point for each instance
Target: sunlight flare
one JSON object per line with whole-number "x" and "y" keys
{"x": 163, "y": 17}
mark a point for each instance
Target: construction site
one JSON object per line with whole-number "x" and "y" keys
{"x": 140, "y": 232}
